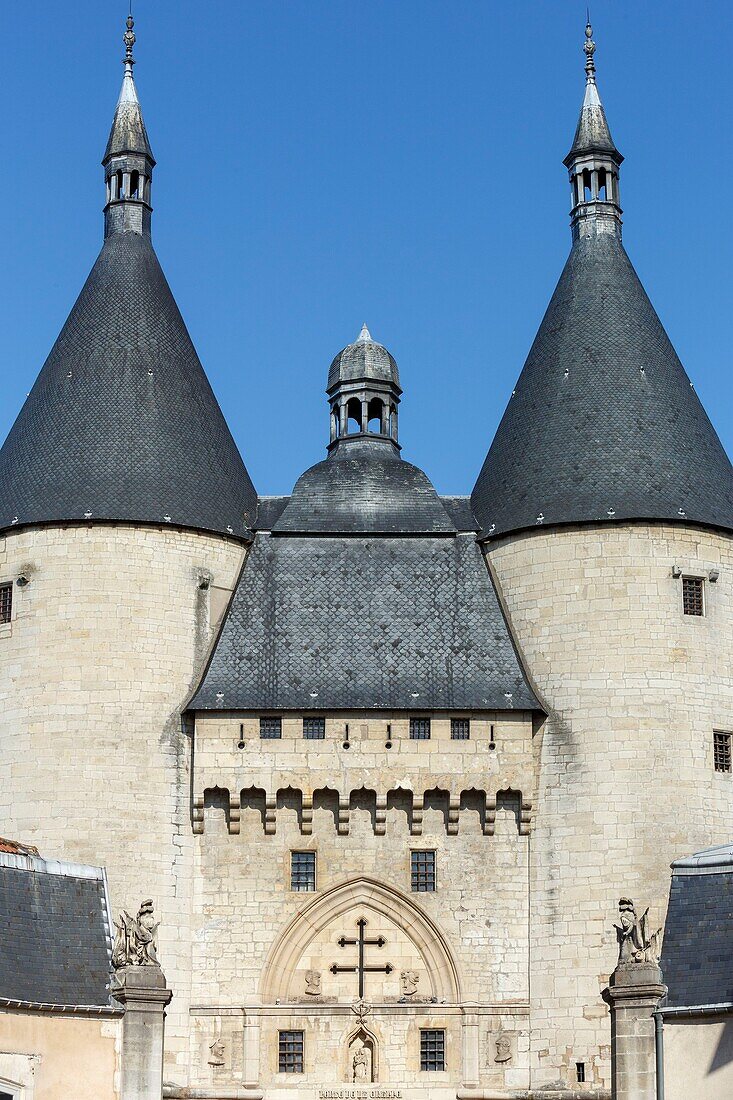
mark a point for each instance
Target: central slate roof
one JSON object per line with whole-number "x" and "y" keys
{"x": 122, "y": 422}
{"x": 366, "y": 623}
{"x": 55, "y": 933}
{"x": 604, "y": 423}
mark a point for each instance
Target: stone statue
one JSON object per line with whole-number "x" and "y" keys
{"x": 313, "y": 982}
{"x": 635, "y": 943}
{"x": 361, "y": 1065}
{"x": 408, "y": 982}
{"x": 135, "y": 942}
{"x": 503, "y": 1047}
{"x": 218, "y": 1051}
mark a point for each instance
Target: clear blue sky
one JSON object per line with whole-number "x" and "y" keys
{"x": 398, "y": 162}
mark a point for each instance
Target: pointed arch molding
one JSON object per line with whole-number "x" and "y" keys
{"x": 397, "y": 907}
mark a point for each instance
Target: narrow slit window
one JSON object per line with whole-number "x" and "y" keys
{"x": 432, "y": 1049}
{"x": 580, "y": 1072}
{"x": 460, "y": 729}
{"x": 290, "y": 1052}
{"x": 420, "y": 729}
{"x": 692, "y": 596}
{"x": 6, "y": 603}
{"x": 314, "y": 729}
{"x": 422, "y": 872}
{"x": 303, "y": 871}
{"x": 722, "y": 751}
{"x": 271, "y": 728}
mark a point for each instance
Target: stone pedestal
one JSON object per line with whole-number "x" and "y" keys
{"x": 634, "y": 992}
{"x": 143, "y": 992}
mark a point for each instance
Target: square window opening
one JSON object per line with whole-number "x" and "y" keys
{"x": 460, "y": 729}
{"x": 271, "y": 728}
{"x": 314, "y": 729}
{"x": 302, "y": 871}
{"x": 422, "y": 872}
{"x": 420, "y": 729}
{"x": 722, "y": 758}
{"x": 432, "y": 1049}
{"x": 6, "y": 603}
{"x": 692, "y": 596}
{"x": 290, "y": 1052}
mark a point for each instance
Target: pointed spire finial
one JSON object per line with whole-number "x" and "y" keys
{"x": 589, "y": 48}
{"x": 365, "y": 334}
{"x": 129, "y": 39}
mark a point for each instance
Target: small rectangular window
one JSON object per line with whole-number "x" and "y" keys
{"x": 290, "y": 1052}
{"x": 6, "y": 602}
{"x": 271, "y": 728}
{"x": 722, "y": 751}
{"x": 420, "y": 729}
{"x": 302, "y": 871}
{"x": 422, "y": 872}
{"x": 580, "y": 1071}
{"x": 432, "y": 1049}
{"x": 460, "y": 729}
{"x": 692, "y": 596}
{"x": 314, "y": 729}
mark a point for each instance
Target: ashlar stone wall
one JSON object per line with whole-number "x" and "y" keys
{"x": 106, "y": 643}
{"x": 626, "y": 783}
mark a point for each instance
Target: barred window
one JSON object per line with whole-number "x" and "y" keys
{"x": 314, "y": 729}
{"x": 692, "y": 596}
{"x": 6, "y": 602}
{"x": 290, "y": 1052}
{"x": 302, "y": 871}
{"x": 271, "y": 728}
{"x": 420, "y": 729}
{"x": 460, "y": 729}
{"x": 422, "y": 872}
{"x": 432, "y": 1048}
{"x": 722, "y": 751}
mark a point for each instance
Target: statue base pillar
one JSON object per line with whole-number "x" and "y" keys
{"x": 143, "y": 993}
{"x": 633, "y": 994}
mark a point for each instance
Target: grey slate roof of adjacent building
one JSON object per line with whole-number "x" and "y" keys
{"x": 364, "y": 487}
{"x": 122, "y": 422}
{"x": 342, "y": 622}
{"x": 603, "y": 424}
{"x": 697, "y": 952}
{"x": 54, "y": 933}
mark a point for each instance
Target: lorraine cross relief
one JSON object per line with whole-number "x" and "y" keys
{"x": 361, "y": 968}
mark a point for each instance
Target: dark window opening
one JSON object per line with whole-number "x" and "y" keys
{"x": 432, "y": 1049}
{"x": 290, "y": 1052}
{"x": 336, "y": 419}
{"x": 587, "y": 189}
{"x": 134, "y": 185}
{"x": 353, "y": 416}
{"x": 422, "y": 872}
{"x": 374, "y": 414}
{"x": 314, "y": 729}
{"x": 420, "y": 729}
{"x": 692, "y": 596}
{"x": 271, "y": 728}
{"x": 722, "y": 751}
{"x": 302, "y": 871}
{"x": 120, "y": 189}
{"x": 602, "y": 191}
{"x": 6, "y": 603}
{"x": 580, "y": 1071}
{"x": 460, "y": 729}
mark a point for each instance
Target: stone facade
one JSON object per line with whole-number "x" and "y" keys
{"x": 634, "y": 690}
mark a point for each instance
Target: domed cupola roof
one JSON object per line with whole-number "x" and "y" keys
{"x": 364, "y": 360}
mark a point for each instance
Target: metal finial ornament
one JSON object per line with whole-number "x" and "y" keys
{"x": 589, "y": 48}
{"x": 129, "y": 39}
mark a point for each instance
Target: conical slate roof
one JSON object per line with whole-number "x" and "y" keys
{"x": 604, "y": 423}
{"x": 365, "y": 359}
{"x": 592, "y": 134}
{"x": 128, "y": 133}
{"x": 122, "y": 423}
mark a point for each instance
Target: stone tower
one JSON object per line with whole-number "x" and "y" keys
{"x": 606, "y": 505}
{"x": 124, "y": 512}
